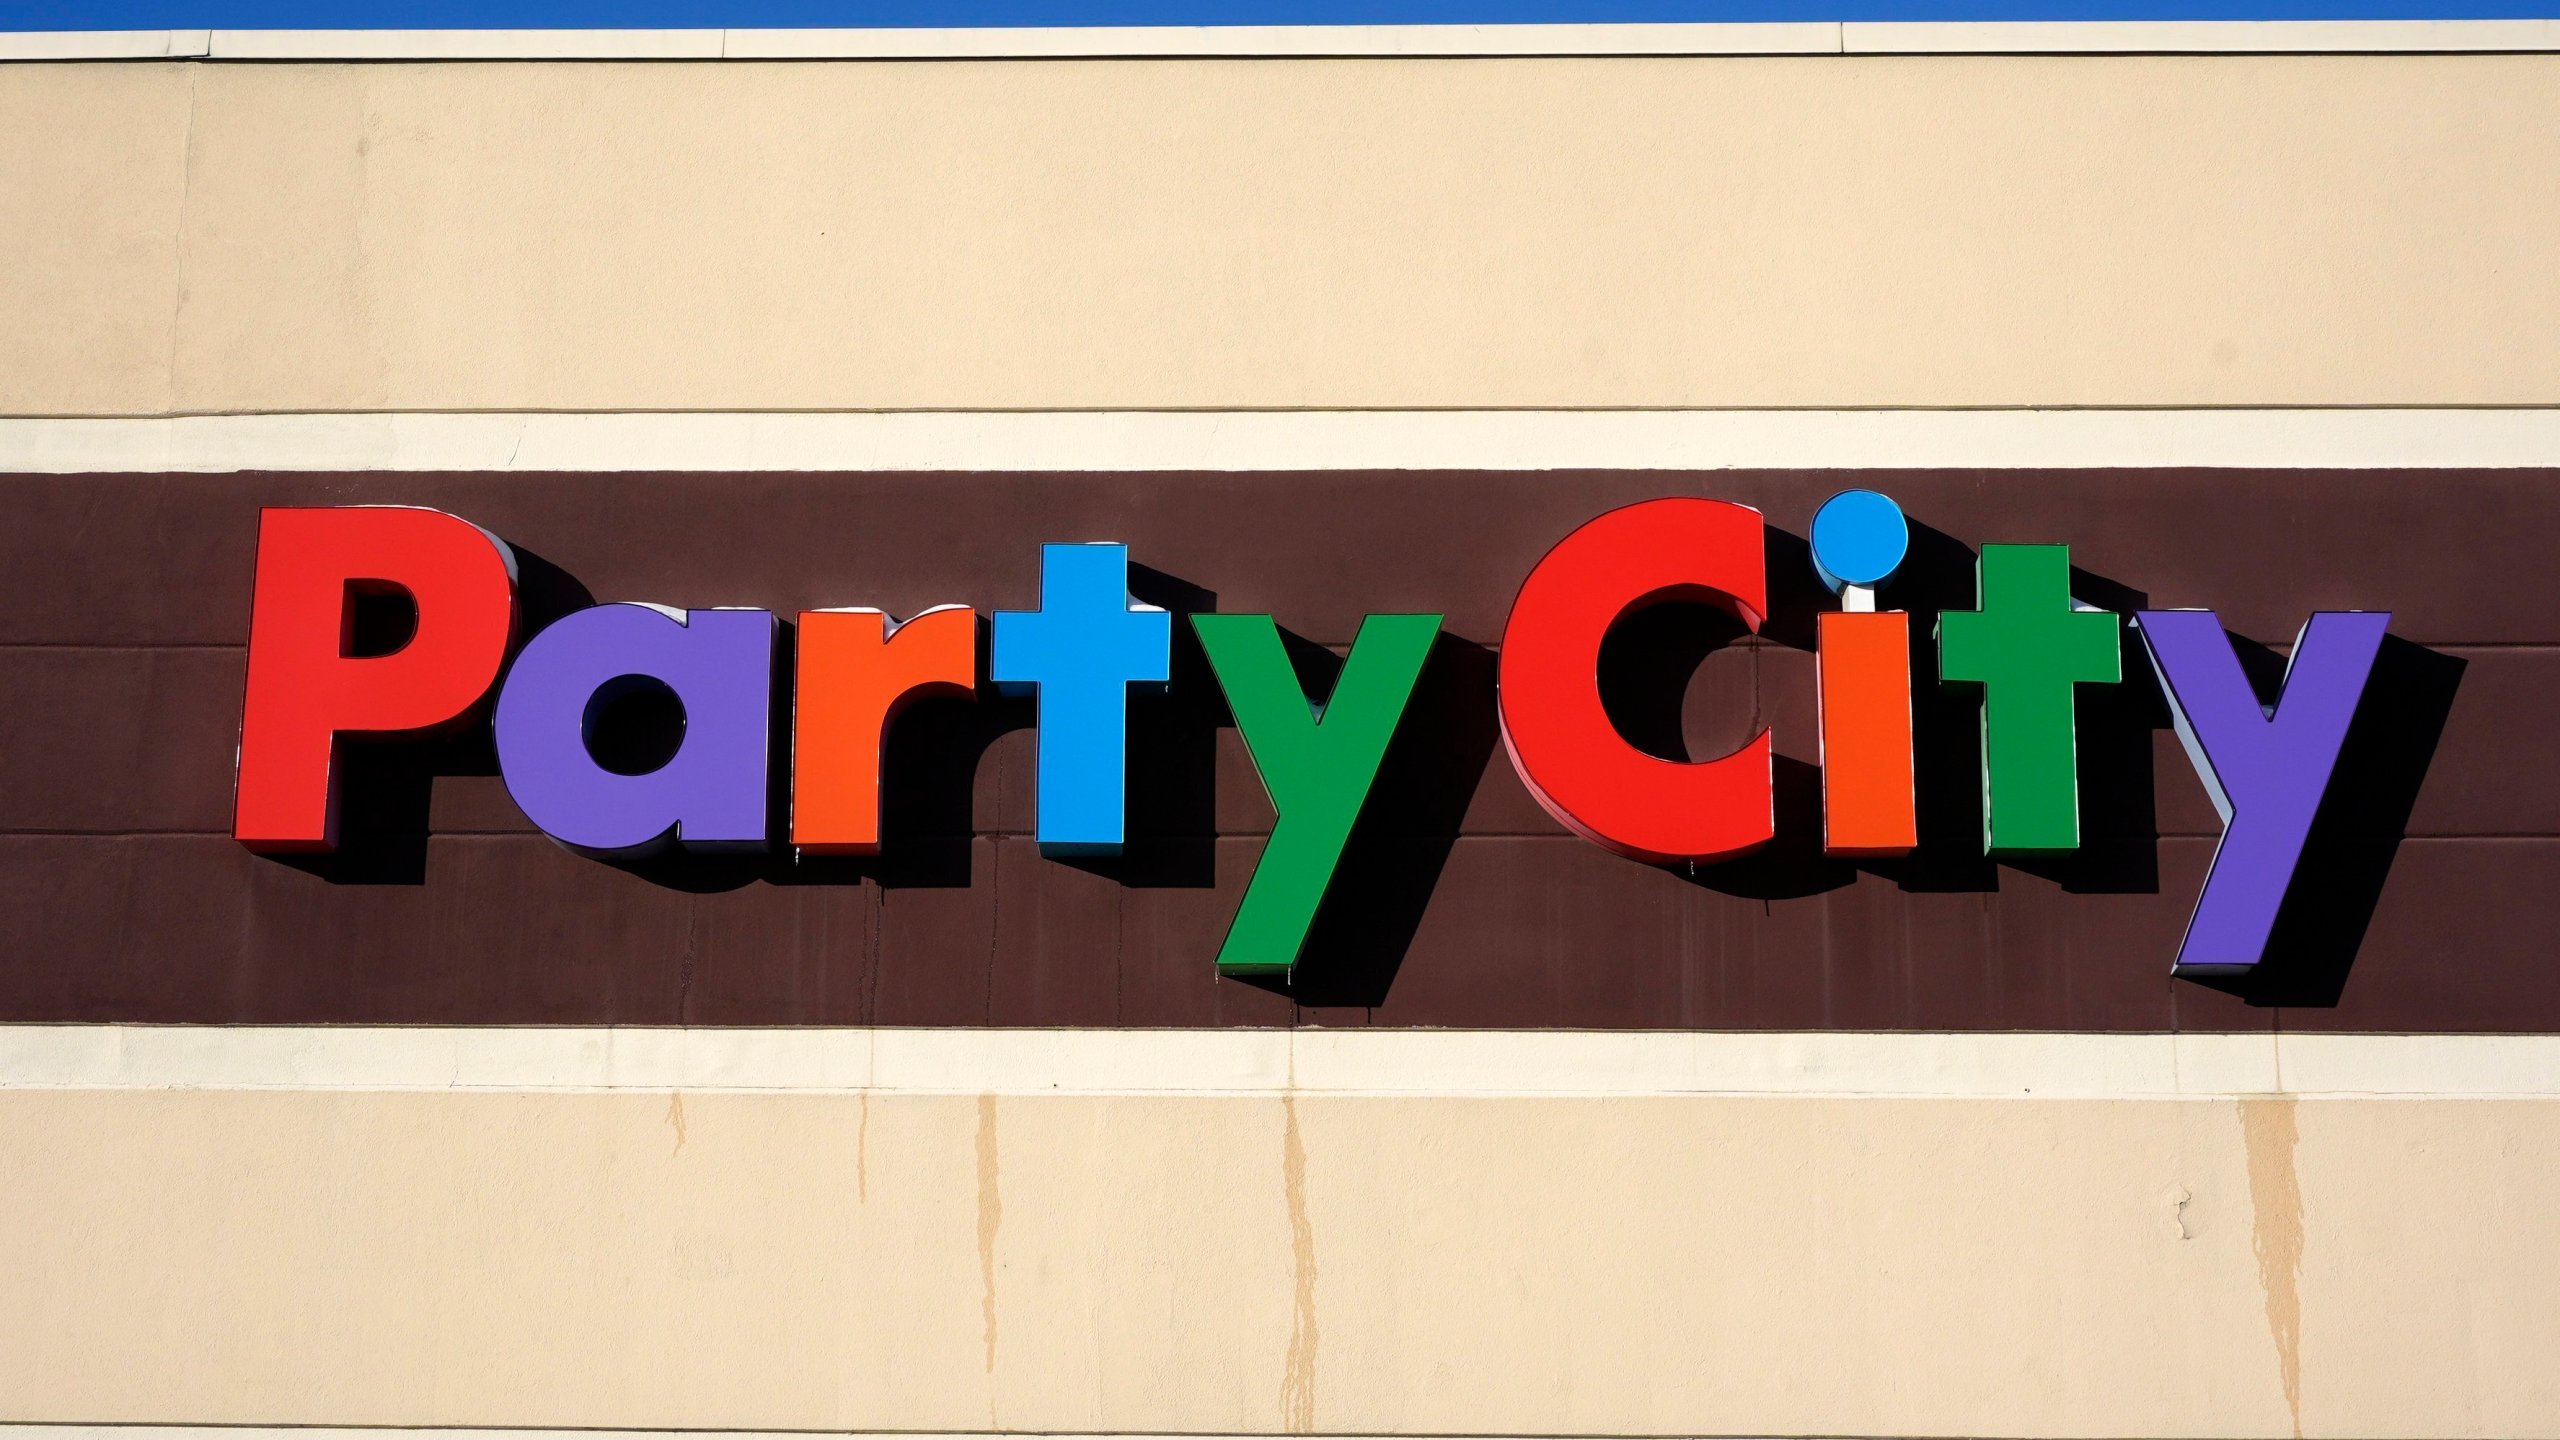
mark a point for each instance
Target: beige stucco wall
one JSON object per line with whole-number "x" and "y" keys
{"x": 1623, "y": 1266}
{"x": 1818, "y": 231}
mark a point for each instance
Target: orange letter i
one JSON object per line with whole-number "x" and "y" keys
{"x": 1863, "y": 664}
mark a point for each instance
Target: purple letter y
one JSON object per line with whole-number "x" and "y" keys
{"x": 2266, "y": 765}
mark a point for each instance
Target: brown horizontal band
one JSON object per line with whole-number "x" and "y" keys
{"x": 1462, "y": 903}
{"x": 2455, "y": 555}
{"x": 1510, "y": 933}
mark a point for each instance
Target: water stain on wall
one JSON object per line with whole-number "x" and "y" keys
{"x": 675, "y": 1118}
{"x": 2269, "y": 1134}
{"x": 990, "y": 1217}
{"x": 1298, "y": 1377}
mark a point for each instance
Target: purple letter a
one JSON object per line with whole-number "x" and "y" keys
{"x": 2266, "y": 765}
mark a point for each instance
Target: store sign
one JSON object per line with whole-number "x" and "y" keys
{"x": 2027, "y": 649}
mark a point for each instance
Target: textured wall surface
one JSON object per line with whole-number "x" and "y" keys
{"x": 1754, "y": 1267}
{"x": 1818, "y": 231}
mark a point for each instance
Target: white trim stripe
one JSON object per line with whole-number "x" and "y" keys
{"x": 106, "y": 45}
{"x": 1453, "y": 41}
{"x": 1735, "y": 38}
{"x": 1270, "y": 1062}
{"x": 2197, "y": 37}
{"x": 76, "y": 1431}
{"x": 1292, "y": 440}
{"x": 466, "y": 44}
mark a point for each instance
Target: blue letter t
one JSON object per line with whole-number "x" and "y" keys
{"x": 1080, "y": 652}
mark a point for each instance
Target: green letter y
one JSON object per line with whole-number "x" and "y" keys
{"x": 1317, "y": 763}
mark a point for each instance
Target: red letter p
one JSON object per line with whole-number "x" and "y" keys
{"x": 305, "y": 690}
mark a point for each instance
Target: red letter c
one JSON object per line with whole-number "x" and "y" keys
{"x": 1560, "y": 737}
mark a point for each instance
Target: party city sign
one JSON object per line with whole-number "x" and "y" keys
{"x": 2025, "y": 650}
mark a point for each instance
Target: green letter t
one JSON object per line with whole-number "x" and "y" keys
{"x": 2027, "y": 648}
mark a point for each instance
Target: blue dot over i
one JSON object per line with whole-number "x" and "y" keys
{"x": 1859, "y": 538}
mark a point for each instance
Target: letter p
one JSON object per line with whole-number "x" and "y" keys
{"x": 306, "y": 690}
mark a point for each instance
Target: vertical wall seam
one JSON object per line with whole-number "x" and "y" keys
{"x": 178, "y": 261}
